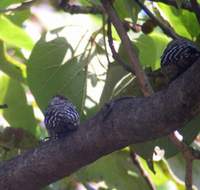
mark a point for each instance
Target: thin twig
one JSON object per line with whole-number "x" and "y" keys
{"x": 104, "y": 38}
{"x": 137, "y": 163}
{"x": 188, "y": 174}
{"x": 140, "y": 75}
{"x": 114, "y": 53}
{"x": 167, "y": 30}
{"x": 196, "y": 9}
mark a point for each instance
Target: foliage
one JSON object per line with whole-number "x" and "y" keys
{"x": 71, "y": 59}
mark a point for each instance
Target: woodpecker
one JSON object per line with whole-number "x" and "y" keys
{"x": 178, "y": 56}
{"x": 61, "y": 117}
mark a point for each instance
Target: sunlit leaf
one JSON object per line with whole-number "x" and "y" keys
{"x": 183, "y": 21}
{"x": 10, "y": 66}
{"x": 14, "y": 35}
{"x": 151, "y": 48}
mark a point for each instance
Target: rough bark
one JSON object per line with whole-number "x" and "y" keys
{"x": 130, "y": 121}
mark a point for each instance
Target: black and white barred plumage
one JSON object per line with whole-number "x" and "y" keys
{"x": 179, "y": 55}
{"x": 61, "y": 117}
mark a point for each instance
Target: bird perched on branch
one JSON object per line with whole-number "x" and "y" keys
{"x": 61, "y": 117}
{"x": 179, "y": 55}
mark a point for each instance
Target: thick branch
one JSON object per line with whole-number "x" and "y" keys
{"x": 130, "y": 121}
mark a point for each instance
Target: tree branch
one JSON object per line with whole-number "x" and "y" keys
{"x": 130, "y": 121}
{"x": 115, "y": 55}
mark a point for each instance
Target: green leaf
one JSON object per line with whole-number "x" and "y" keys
{"x": 114, "y": 75}
{"x": 5, "y": 3}
{"x": 90, "y": 2}
{"x": 19, "y": 114}
{"x": 151, "y": 48}
{"x": 19, "y": 17}
{"x": 3, "y": 87}
{"x": 14, "y": 35}
{"x": 123, "y": 53}
{"x": 177, "y": 165}
{"x": 183, "y": 21}
{"x": 127, "y": 9}
{"x": 10, "y": 66}
{"x": 116, "y": 170}
{"x": 48, "y": 76}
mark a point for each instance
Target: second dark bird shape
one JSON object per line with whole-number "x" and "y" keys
{"x": 178, "y": 56}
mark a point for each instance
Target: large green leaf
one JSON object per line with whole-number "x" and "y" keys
{"x": 183, "y": 22}
{"x": 14, "y": 35}
{"x": 151, "y": 48}
{"x": 48, "y": 76}
{"x": 148, "y": 48}
{"x": 19, "y": 113}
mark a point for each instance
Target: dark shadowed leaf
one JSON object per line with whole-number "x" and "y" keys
{"x": 114, "y": 74}
{"x": 49, "y": 75}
